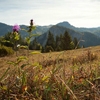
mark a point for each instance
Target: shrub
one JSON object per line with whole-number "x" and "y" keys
{"x": 86, "y": 57}
{"x": 58, "y": 48}
{"x": 5, "y": 50}
{"x": 91, "y": 56}
{"x": 48, "y": 49}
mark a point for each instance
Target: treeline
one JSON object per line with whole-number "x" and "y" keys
{"x": 58, "y": 43}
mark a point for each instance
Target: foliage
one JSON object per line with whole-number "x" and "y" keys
{"x": 4, "y": 51}
{"x": 8, "y": 40}
{"x": 58, "y": 48}
{"x": 86, "y": 57}
{"x": 72, "y": 45}
{"x": 62, "y": 42}
{"x": 43, "y": 49}
{"x": 76, "y": 44}
{"x": 30, "y": 35}
{"x": 50, "y": 40}
{"x": 29, "y": 31}
{"x": 58, "y": 43}
{"x": 35, "y": 45}
{"x": 33, "y": 80}
{"x": 66, "y": 40}
{"x": 48, "y": 49}
{"x": 58, "y": 79}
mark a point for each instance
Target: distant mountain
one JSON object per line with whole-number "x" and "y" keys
{"x": 39, "y": 30}
{"x": 4, "y": 29}
{"x": 56, "y": 30}
{"x": 66, "y": 24}
{"x": 95, "y": 31}
{"x": 90, "y": 39}
{"x": 91, "y": 36}
{"x": 86, "y": 38}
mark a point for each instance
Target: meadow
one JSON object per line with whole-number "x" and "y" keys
{"x": 65, "y": 75}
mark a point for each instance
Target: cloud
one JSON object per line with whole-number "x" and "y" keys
{"x": 46, "y": 12}
{"x": 95, "y": 0}
{"x": 29, "y": 4}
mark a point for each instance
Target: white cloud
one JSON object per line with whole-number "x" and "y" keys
{"x": 45, "y": 12}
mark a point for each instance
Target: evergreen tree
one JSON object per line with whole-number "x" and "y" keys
{"x": 66, "y": 41}
{"x": 42, "y": 50}
{"x": 50, "y": 41}
{"x": 76, "y": 43}
{"x": 61, "y": 42}
{"x": 35, "y": 45}
{"x": 72, "y": 45}
{"x": 48, "y": 49}
{"x": 58, "y": 43}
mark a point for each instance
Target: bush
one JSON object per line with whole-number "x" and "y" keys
{"x": 58, "y": 48}
{"x": 86, "y": 57}
{"x": 48, "y": 49}
{"x": 4, "y": 51}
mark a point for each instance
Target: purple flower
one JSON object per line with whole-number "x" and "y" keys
{"x": 16, "y": 28}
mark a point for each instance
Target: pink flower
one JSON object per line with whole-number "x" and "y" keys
{"x": 16, "y": 28}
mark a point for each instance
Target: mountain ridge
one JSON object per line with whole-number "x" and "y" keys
{"x": 4, "y": 29}
{"x": 91, "y": 36}
{"x": 87, "y": 37}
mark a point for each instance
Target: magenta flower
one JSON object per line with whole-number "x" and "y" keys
{"x": 16, "y": 28}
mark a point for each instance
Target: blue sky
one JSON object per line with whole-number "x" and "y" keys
{"x": 80, "y": 13}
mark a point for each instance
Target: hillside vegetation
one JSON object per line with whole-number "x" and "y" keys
{"x": 65, "y": 75}
{"x": 60, "y": 28}
{"x": 70, "y": 74}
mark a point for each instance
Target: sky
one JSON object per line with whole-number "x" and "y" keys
{"x": 79, "y": 13}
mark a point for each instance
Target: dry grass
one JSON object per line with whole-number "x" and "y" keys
{"x": 66, "y": 75}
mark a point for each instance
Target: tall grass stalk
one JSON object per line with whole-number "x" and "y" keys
{"x": 1, "y": 78}
{"x": 67, "y": 87}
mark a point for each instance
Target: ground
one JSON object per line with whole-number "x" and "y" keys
{"x": 74, "y": 72}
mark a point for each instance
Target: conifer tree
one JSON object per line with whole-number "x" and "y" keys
{"x": 50, "y": 40}
{"x": 76, "y": 43}
{"x": 66, "y": 41}
{"x": 58, "y": 43}
{"x": 35, "y": 45}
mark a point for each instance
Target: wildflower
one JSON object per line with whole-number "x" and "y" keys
{"x": 16, "y": 28}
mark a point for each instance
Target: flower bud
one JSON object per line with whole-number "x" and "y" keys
{"x": 31, "y": 22}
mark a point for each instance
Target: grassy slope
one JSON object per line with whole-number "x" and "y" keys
{"x": 76, "y": 69}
